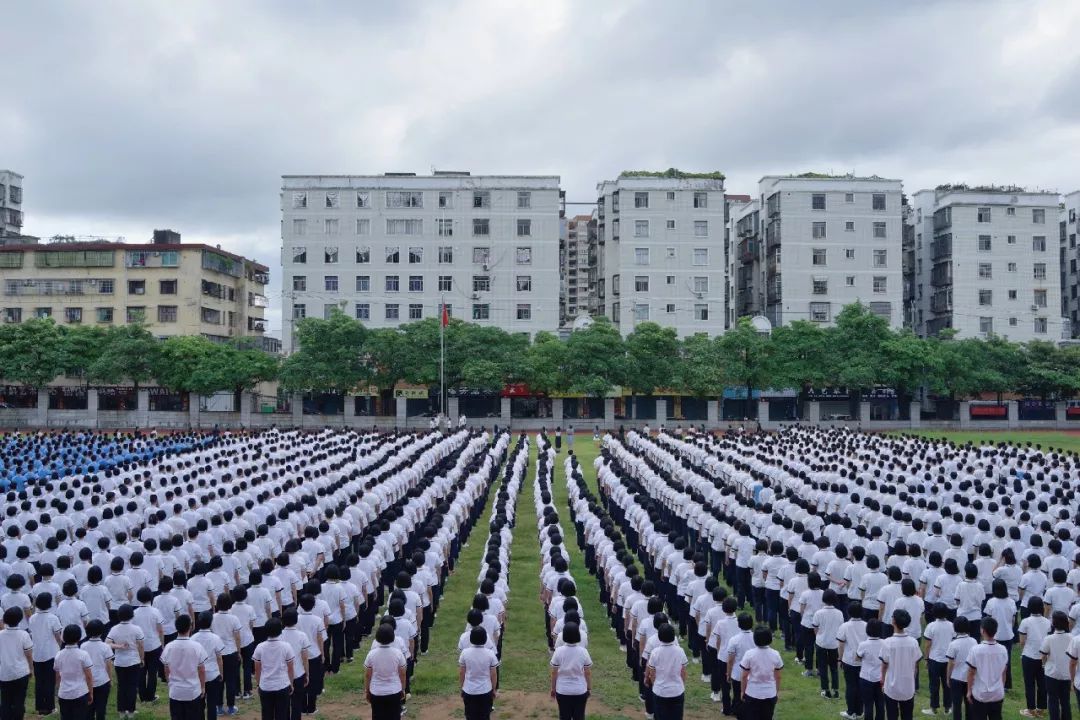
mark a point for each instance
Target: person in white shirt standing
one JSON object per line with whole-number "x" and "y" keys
{"x": 127, "y": 639}
{"x": 987, "y": 663}
{"x": 384, "y": 676}
{"x": 74, "y": 677}
{"x": 16, "y": 659}
{"x": 1032, "y": 631}
{"x": 477, "y": 673}
{"x": 571, "y": 675}
{"x": 761, "y": 666}
{"x": 274, "y": 659}
{"x": 900, "y": 655}
{"x": 666, "y": 675}
{"x": 184, "y": 661}
{"x": 45, "y": 631}
{"x": 1055, "y": 654}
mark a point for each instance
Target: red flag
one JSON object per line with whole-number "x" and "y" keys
{"x": 445, "y": 316}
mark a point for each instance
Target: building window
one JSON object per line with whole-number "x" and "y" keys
{"x": 392, "y": 283}
{"x": 670, "y": 224}
{"x": 446, "y": 283}
{"x": 820, "y": 311}
{"x": 1040, "y": 326}
{"x": 166, "y": 313}
{"x": 481, "y": 311}
{"x": 1011, "y": 240}
{"x": 701, "y": 200}
{"x": 879, "y": 230}
{"x": 986, "y": 325}
{"x": 481, "y": 283}
{"x": 332, "y": 199}
{"x": 849, "y": 197}
{"x": 641, "y": 228}
{"x": 983, "y": 215}
{"x": 446, "y": 255}
{"x": 881, "y": 284}
{"x": 416, "y": 283}
{"x": 881, "y": 258}
{"x": 821, "y": 286}
{"x": 445, "y": 227}
{"x": 299, "y": 311}
{"x": 330, "y": 226}
{"x": 404, "y": 199}
{"x": 524, "y": 200}
{"x": 818, "y": 230}
{"x": 363, "y": 311}
{"x": 167, "y": 287}
{"x": 701, "y": 256}
{"x": 74, "y": 314}
{"x": 363, "y": 226}
{"x": 446, "y": 199}
{"x": 363, "y": 283}
{"x": 330, "y": 283}
{"x": 481, "y": 199}
{"x": 404, "y": 227}
{"x": 524, "y": 311}
{"x": 104, "y": 315}
{"x": 416, "y": 311}
{"x": 524, "y": 228}
{"x": 641, "y": 283}
{"x": 481, "y": 227}
{"x": 136, "y": 287}
{"x": 985, "y": 244}
{"x": 641, "y": 200}
{"x": 1012, "y": 294}
{"x": 137, "y": 314}
{"x": 105, "y": 287}
{"x": 299, "y": 226}
{"x": 299, "y": 283}
{"x": 670, "y": 195}
{"x": 1012, "y": 267}
{"x": 701, "y": 311}
{"x": 641, "y": 312}
{"x": 392, "y": 254}
{"x": 524, "y": 283}
{"x": 670, "y": 253}
{"x": 669, "y": 308}
{"x": 701, "y": 284}
{"x": 299, "y": 200}
{"x": 849, "y": 253}
{"x": 1040, "y": 298}
{"x": 1038, "y": 216}
{"x": 363, "y": 199}
{"x": 1038, "y": 243}
{"x": 986, "y": 297}
{"x": 986, "y": 271}
{"x": 819, "y": 256}
{"x": 849, "y": 226}
{"x": 669, "y": 279}
{"x": 523, "y": 256}
{"x": 878, "y": 201}
{"x": 850, "y": 280}
{"x": 615, "y": 284}
{"x": 1040, "y": 271}
{"x": 701, "y": 228}
{"x": 416, "y": 255}
{"x": 641, "y": 256}
{"x": 392, "y": 311}
{"x": 817, "y": 201}
{"x": 481, "y": 255}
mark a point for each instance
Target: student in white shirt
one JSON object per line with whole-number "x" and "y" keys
{"x": 827, "y": 622}
{"x": 938, "y": 634}
{"x": 301, "y": 645}
{"x": 987, "y": 663}
{"x": 957, "y": 654}
{"x": 102, "y": 656}
{"x": 184, "y": 661}
{"x": 869, "y": 654}
{"x": 149, "y": 620}
{"x": 74, "y": 676}
{"x": 900, "y": 655}
{"x": 571, "y": 675}
{"x": 665, "y": 673}
{"x": 761, "y": 667}
{"x": 127, "y": 638}
{"x": 1056, "y": 661}
{"x": 45, "y": 631}
{"x": 214, "y": 647}
{"x": 477, "y": 676}
{"x": 384, "y": 676}
{"x": 1033, "y": 630}
{"x": 274, "y": 659}
{"x": 16, "y": 660}
{"x": 1001, "y": 607}
{"x": 849, "y": 636}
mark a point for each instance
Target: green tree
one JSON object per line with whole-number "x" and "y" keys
{"x": 857, "y": 342}
{"x": 909, "y": 362}
{"x": 698, "y": 370}
{"x": 544, "y": 368}
{"x": 744, "y": 357}
{"x": 483, "y": 374}
{"x": 1047, "y": 371}
{"x": 81, "y": 346}
{"x": 383, "y": 355}
{"x": 651, "y": 354}
{"x": 31, "y": 353}
{"x": 330, "y": 355}
{"x": 800, "y": 357}
{"x": 993, "y": 366}
{"x": 178, "y": 359}
{"x": 226, "y": 367}
{"x": 129, "y": 354}
{"x": 595, "y": 359}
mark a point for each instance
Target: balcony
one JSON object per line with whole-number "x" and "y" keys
{"x": 259, "y": 301}
{"x": 772, "y": 205}
{"x": 941, "y": 301}
{"x": 256, "y": 324}
{"x": 936, "y": 325}
{"x": 942, "y": 247}
{"x": 941, "y": 275}
{"x": 772, "y": 235}
{"x": 775, "y": 293}
{"x": 748, "y": 251}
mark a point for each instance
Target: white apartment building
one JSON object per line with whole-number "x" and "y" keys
{"x": 985, "y": 263}
{"x": 662, "y": 245}
{"x": 830, "y": 241}
{"x": 389, "y": 249}
{"x": 1068, "y": 256}
{"x": 11, "y": 215}
{"x": 579, "y": 267}
{"x": 746, "y": 269}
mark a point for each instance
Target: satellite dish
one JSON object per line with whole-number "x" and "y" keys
{"x": 582, "y": 321}
{"x": 761, "y": 324}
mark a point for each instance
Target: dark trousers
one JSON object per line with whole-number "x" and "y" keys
{"x": 852, "y": 701}
{"x": 571, "y": 707}
{"x": 352, "y": 636}
{"x": 186, "y": 709}
{"x": 127, "y": 687}
{"x": 101, "y": 701}
{"x": 873, "y": 699}
{"x": 961, "y": 709}
{"x": 13, "y": 698}
{"x": 76, "y": 709}
{"x": 758, "y": 709}
{"x": 1057, "y": 699}
{"x": 719, "y": 683}
{"x": 298, "y": 698}
{"x": 315, "y": 684}
{"x": 804, "y": 645}
{"x": 477, "y": 707}
{"x": 247, "y": 657}
{"x": 274, "y": 704}
{"x": 44, "y": 687}
{"x": 827, "y": 660}
{"x": 986, "y": 710}
{"x": 230, "y": 675}
{"x": 1034, "y": 687}
{"x": 386, "y": 707}
{"x": 215, "y": 696}
{"x": 148, "y": 676}
{"x": 939, "y": 684}
{"x": 336, "y": 633}
{"x": 772, "y": 609}
{"x": 899, "y": 708}
{"x": 671, "y": 708}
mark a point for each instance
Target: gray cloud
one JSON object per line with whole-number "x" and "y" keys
{"x": 129, "y": 116}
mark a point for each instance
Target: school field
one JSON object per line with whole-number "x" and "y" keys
{"x": 525, "y": 671}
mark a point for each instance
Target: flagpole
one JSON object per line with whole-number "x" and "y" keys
{"x": 442, "y": 358}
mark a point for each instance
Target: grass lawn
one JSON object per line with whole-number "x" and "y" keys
{"x": 1054, "y": 439}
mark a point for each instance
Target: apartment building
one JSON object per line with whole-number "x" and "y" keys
{"x": 830, "y": 241}
{"x": 389, "y": 249}
{"x": 11, "y": 196}
{"x": 1068, "y": 255}
{"x": 984, "y": 263}
{"x": 579, "y": 268}
{"x": 174, "y": 288}
{"x": 661, "y": 246}
{"x": 746, "y": 269}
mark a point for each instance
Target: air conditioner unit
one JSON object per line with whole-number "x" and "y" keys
{"x": 92, "y": 283}
{"x": 486, "y": 267}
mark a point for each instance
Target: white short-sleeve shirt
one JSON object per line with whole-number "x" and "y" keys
{"x": 900, "y": 652}
{"x": 183, "y": 657}
{"x": 989, "y": 661}
{"x": 385, "y": 662}
{"x": 759, "y": 665}
{"x": 274, "y": 656}
{"x": 571, "y": 661}
{"x": 477, "y": 661}
{"x": 667, "y": 661}
{"x": 71, "y": 663}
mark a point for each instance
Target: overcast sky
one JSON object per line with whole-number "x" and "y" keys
{"x": 126, "y": 116}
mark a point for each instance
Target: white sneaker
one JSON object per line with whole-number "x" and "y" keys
{"x": 715, "y": 697}
{"x": 704, "y": 678}
{"x": 932, "y": 711}
{"x": 844, "y": 714}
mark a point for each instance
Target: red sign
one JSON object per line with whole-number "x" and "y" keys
{"x": 516, "y": 390}
{"x": 990, "y": 411}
